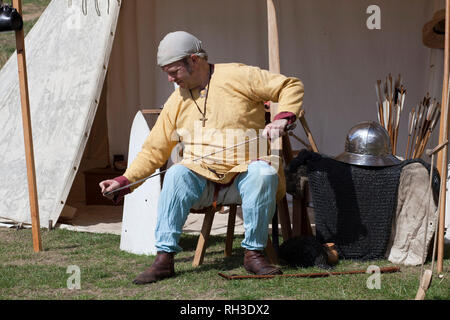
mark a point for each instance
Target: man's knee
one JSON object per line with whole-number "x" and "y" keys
{"x": 263, "y": 174}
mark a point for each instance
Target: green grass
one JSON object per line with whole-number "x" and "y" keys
{"x": 31, "y": 12}
{"x": 107, "y": 273}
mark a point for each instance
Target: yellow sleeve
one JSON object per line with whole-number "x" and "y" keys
{"x": 268, "y": 86}
{"x": 157, "y": 147}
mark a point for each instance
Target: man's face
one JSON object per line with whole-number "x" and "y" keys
{"x": 180, "y": 72}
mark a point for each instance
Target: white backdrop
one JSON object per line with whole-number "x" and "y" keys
{"x": 325, "y": 43}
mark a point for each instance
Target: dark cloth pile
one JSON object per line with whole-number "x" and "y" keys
{"x": 354, "y": 206}
{"x": 304, "y": 252}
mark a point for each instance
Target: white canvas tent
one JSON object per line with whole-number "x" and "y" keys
{"x": 90, "y": 74}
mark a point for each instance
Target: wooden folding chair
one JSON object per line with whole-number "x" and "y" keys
{"x": 206, "y": 231}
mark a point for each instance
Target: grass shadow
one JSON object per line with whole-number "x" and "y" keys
{"x": 189, "y": 241}
{"x": 218, "y": 264}
{"x": 62, "y": 247}
{"x": 214, "y": 256}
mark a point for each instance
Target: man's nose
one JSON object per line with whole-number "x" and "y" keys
{"x": 170, "y": 78}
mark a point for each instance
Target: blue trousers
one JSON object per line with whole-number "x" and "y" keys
{"x": 183, "y": 189}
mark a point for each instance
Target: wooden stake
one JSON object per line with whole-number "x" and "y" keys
{"x": 274, "y": 66}
{"x": 274, "y": 51}
{"x": 309, "y": 134}
{"x": 443, "y": 135}
{"x": 28, "y": 137}
{"x": 300, "y": 140}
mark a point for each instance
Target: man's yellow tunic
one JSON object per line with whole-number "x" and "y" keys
{"x": 234, "y": 111}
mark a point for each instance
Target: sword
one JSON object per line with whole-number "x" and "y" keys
{"x": 288, "y": 128}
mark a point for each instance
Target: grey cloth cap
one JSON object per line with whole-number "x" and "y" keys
{"x": 178, "y": 45}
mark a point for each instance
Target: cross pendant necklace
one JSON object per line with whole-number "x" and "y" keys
{"x": 203, "y": 119}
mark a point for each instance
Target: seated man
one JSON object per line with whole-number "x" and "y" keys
{"x": 213, "y": 106}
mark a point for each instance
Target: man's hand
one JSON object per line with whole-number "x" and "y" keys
{"x": 275, "y": 129}
{"x": 107, "y": 186}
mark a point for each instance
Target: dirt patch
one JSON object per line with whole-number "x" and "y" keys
{"x": 5, "y": 236}
{"x": 32, "y": 11}
{"x": 31, "y": 16}
{"x": 42, "y": 259}
{"x": 21, "y": 252}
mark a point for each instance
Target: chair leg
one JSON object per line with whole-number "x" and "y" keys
{"x": 285, "y": 220}
{"x": 306, "y": 223}
{"x": 203, "y": 239}
{"x": 230, "y": 230}
{"x": 297, "y": 216}
{"x": 270, "y": 251}
{"x": 275, "y": 233}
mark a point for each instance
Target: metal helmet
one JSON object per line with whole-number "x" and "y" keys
{"x": 368, "y": 144}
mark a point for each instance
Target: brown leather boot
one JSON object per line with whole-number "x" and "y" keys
{"x": 255, "y": 262}
{"x": 162, "y": 267}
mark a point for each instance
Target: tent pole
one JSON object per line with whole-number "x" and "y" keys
{"x": 274, "y": 49}
{"x": 28, "y": 138}
{"x": 443, "y": 136}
